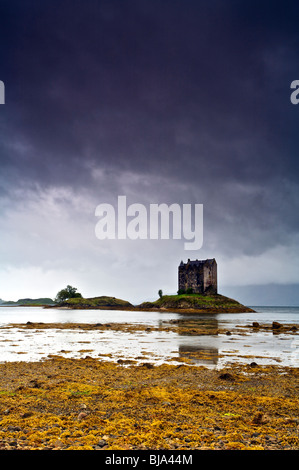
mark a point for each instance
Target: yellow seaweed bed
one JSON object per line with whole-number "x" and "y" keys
{"x": 90, "y": 404}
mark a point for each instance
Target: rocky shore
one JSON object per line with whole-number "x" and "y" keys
{"x": 87, "y": 403}
{"x": 187, "y": 327}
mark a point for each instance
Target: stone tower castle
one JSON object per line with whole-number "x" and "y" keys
{"x": 199, "y": 275}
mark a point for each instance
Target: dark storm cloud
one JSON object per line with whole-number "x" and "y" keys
{"x": 182, "y": 85}
{"x": 196, "y": 92}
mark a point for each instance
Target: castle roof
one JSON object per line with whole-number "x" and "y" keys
{"x": 198, "y": 262}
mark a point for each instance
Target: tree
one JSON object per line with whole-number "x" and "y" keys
{"x": 68, "y": 293}
{"x": 160, "y": 292}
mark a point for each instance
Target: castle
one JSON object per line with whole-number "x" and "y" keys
{"x": 198, "y": 275}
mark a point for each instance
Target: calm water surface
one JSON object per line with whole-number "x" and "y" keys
{"x": 262, "y": 347}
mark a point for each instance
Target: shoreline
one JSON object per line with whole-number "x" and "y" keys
{"x": 89, "y": 404}
{"x": 167, "y": 325}
{"x": 160, "y": 310}
{"x": 143, "y": 309}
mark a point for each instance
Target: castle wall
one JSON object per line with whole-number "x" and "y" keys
{"x": 191, "y": 277}
{"x": 200, "y": 276}
{"x": 210, "y": 278}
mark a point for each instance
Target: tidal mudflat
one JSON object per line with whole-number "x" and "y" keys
{"x": 193, "y": 341}
{"x": 91, "y": 404}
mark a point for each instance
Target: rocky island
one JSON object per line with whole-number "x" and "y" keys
{"x": 196, "y": 303}
{"x": 182, "y": 303}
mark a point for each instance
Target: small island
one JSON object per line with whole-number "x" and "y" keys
{"x": 197, "y": 293}
{"x": 195, "y": 303}
{"x": 181, "y": 303}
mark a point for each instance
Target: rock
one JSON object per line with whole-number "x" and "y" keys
{"x": 13, "y": 443}
{"x": 58, "y": 444}
{"x": 226, "y": 376}
{"x": 28, "y": 414}
{"x": 228, "y": 333}
{"x": 82, "y": 415}
{"x": 34, "y": 383}
{"x": 255, "y": 324}
{"x": 253, "y": 364}
{"x": 13, "y": 428}
{"x": 259, "y": 418}
{"x": 102, "y": 443}
{"x": 276, "y": 325}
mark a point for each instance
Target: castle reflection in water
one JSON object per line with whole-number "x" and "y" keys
{"x": 202, "y": 348}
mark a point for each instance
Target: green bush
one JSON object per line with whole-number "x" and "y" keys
{"x": 68, "y": 293}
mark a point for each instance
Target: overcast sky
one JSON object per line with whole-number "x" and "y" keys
{"x": 163, "y": 101}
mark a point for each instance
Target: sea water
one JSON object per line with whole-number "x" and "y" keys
{"x": 211, "y": 350}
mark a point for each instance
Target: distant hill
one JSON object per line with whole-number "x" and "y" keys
{"x": 28, "y": 302}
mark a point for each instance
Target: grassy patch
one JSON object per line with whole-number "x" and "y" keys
{"x": 95, "y": 302}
